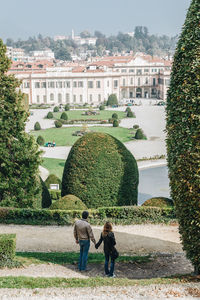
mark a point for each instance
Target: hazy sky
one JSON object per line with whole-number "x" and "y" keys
{"x": 24, "y": 18}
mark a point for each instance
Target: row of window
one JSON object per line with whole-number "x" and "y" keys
{"x": 146, "y": 81}
{"x": 67, "y": 99}
{"x": 140, "y": 71}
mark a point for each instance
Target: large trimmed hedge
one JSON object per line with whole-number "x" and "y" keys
{"x": 117, "y": 215}
{"x": 183, "y": 133}
{"x": 101, "y": 172}
{"x": 7, "y": 247}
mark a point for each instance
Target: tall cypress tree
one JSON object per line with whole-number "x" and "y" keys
{"x": 183, "y": 133}
{"x": 19, "y": 155}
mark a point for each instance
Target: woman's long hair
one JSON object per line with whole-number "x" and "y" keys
{"x": 107, "y": 228}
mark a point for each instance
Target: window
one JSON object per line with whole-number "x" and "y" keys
{"x": 74, "y": 84}
{"x": 26, "y": 85}
{"x": 98, "y": 84}
{"x": 80, "y": 84}
{"x": 115, "y": 84}
{"x": 51, "y": 97}
{"x": 131, "y": 80}
{"x": 90, "y": 84}
{"x": 51, "y": 84}
{"x": 167, "y": 82}
{"x": 131, "y": 71}
{"x": 124, "y": 82}
{"x": 38, "y": 99}
{"x": 146, "y": 80}
{"x": 123, "y": 70}
{"x": 146, "y": 70}
{"x": 81, "y": 98}
{"x": 43, "y": 85}
{"x": 154, "y": 81}
{"x": 138, "y": 81}
{"x": 99, "y": 97}
{"x": 67, "y": 84}
{"x": 153, "y": 92}
{"x": 139, "y": 71}
{"x": 45, "y": 99}
{"x": 108, "y": 83}
{"x": 37, "y": 85}
{"x": 90, "y": 98}
{"x": 59, "y": 84}
{"x": 153, "y": 70}
{"x": 59, "y": 98}
{"x": 74, "y": 98}
{"x": 67, "y": 99}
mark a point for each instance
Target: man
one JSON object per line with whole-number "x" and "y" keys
{"x": 83, "y": 234}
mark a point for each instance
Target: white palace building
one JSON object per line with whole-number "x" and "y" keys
{"x": 129, "y": 77}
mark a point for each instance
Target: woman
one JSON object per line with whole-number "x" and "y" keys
{"x": 108, "y": 238}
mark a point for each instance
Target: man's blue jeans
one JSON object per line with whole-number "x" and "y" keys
{"x": 112, "y": 265}
{"x": 84, "y": 248}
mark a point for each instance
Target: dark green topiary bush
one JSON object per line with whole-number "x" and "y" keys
{"x": 64, "y": 116}
{"x": 37, "y": 126}
{"x": 114, "y": 116}
{"x": 128, "y": 109}
{"x": 40, "y": 140}
{"x": 56, "y": 109}
{"x": 139, "y": 135}
{"x": 49, "y": 115}
{"x": 130, "y": 114}
{"x": 115, "y": 123}
{"x": 183, "y": 134}
{"x": 58, "y": 124}
{"x": 112, "y": 100}
{"x": 46, "y": 198}
{"x": 135, "y": 126}
{"x": 67, "y": 107}
{"x": 101, "y": 107}
{"x": 159, "y": 202}
{"x": 69, "y": 202}
{"x": 101, "y": 171}
{"x": 52, "y": 179}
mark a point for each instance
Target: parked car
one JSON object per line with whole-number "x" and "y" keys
{"x": 50, "y": 144}
{"x": 161, "y": 103}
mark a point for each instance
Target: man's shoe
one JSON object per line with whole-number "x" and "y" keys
{"x": 112, "y": 276}
{"x": 86, "y": 270}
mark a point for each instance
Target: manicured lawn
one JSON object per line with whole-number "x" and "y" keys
{"x": 40, "y": 282}
{"x": 54, "y": 165}
{"x": 63, "y": 136}
{"x": 61, "y": 258}
{"x": 77, "y": 114}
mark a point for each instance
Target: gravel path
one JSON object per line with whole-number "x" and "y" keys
{"x": 152, "y": 292}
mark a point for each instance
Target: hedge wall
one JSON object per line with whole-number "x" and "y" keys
{"x": 7, "y": 246}
{"x": 101, "y": 172}
{"x": 183, "y": 133}
{"x": 117, "y": 215}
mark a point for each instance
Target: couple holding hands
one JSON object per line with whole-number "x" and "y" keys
{"x": 83, "y": 234}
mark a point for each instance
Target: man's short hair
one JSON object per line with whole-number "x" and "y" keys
{"x": 85, "y": 214}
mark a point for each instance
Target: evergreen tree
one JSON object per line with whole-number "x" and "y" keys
{"x": 183, "y": 134}
{"x": 19, "y": 155}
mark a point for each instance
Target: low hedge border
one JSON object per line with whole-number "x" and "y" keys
{"x": 117, "y": 215}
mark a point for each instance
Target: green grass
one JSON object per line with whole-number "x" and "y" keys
{"x": 63, "y": 136}
{"x": 77, "y": 115}
{"x": 54, "y": 165}
{"x": 61, "y": 258}
{"x": 20, "y": 282}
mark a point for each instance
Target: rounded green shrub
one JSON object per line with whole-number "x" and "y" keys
{"x": 67, "y": 107}
{"x": 115, "y": 123}
{"x": 112, "y": 100}
{"x": 52, "y": 179}
{"x": 101, "y": 107}
{"x": 58, "y": 124}
{"x": 68, "y": 202}
{"x": 159, "y": 202}
{"x": 128, "y": 109}
{"x": 46, "y": 198}
{"x": 50, "y": 115}
{"x": 114, "y": 116}
{"x": 37, "y": 126}
{"x": 135, "y": 126}
{"x": 130, "y": 114}
{"x": 139, "y": 135}
{"x": 64, "y": 116}
{"x": 101, "y": 171}
{"x": 56, "y": 109}
{"x": 40, "y": 140}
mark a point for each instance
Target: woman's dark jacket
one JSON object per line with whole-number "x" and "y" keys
{"x": 109, "y": 242}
